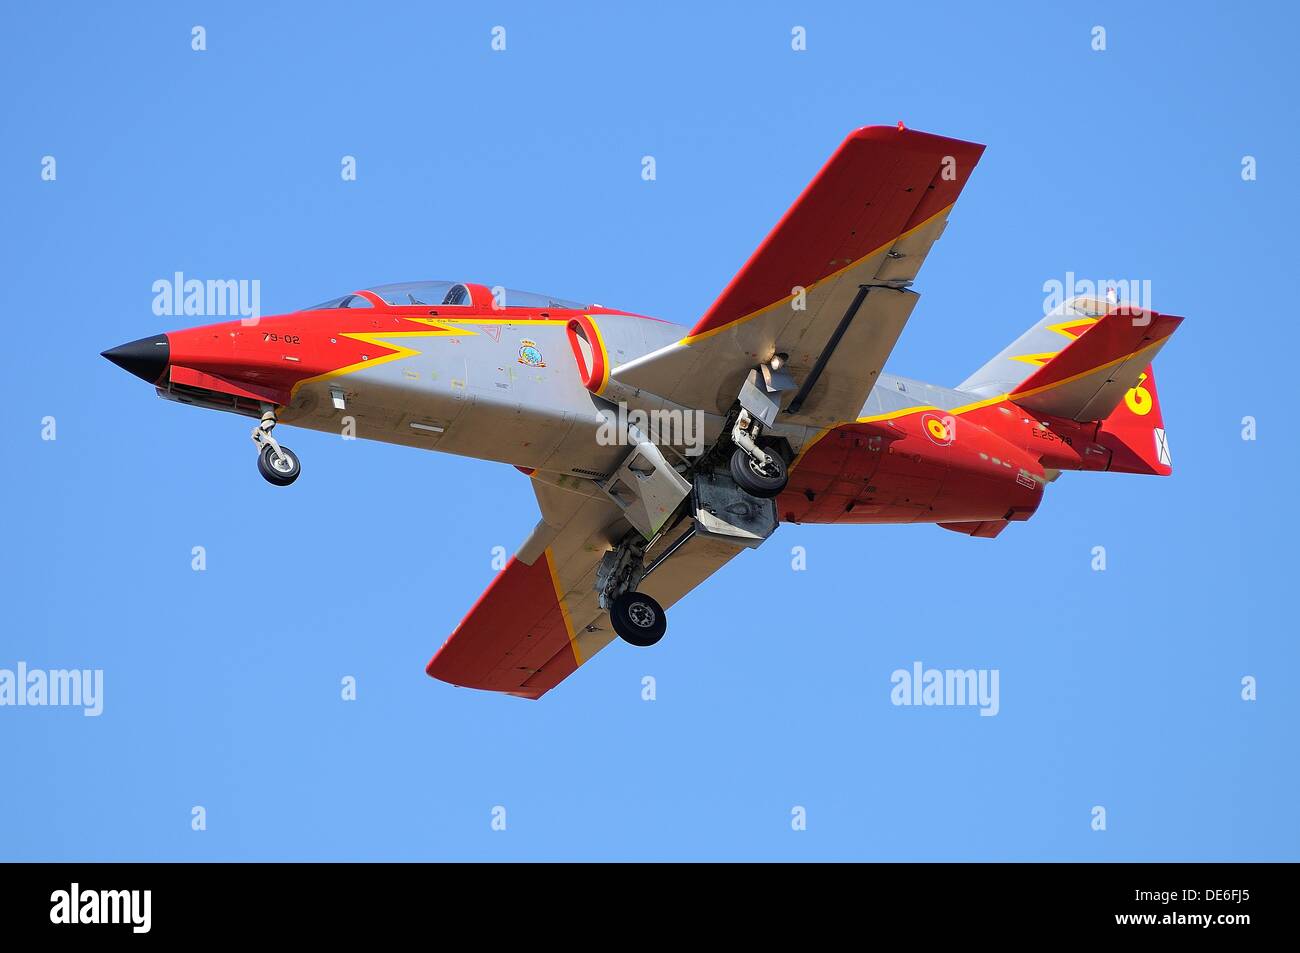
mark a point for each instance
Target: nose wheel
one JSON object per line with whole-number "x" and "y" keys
{"x": 278, "y": 464}
{"x": 638, "y": 619}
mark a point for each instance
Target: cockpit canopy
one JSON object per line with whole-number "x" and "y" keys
{"x": 445, "y": 294}
{"x": 405, "y": 293}
{"x": 531, "y": 299}
{"x": 347, "y": 301}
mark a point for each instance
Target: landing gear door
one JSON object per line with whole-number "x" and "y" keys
{"x": 647, "y": 489}
{"x": 724, "y": 511}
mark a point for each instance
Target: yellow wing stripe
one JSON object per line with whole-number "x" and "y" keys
{"x": 692, "y": 338}
{"x": 564, "y": 609}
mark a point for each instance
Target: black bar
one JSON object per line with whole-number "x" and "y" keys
{"x": 979, "y": 903}
{"x": 677, "y": 544}
{"x": 828, "y": 350}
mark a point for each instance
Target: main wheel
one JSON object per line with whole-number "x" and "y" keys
{"x": 279, "y": 468}
{"x": 638, "y": 619}
{"x": 764, "y": 482}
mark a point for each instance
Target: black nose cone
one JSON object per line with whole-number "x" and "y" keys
{"x": 146, "y": 358}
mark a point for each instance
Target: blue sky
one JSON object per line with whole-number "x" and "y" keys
{"x": 222, "y": 688}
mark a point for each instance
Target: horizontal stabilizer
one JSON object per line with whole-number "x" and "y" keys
{"x": 1090, "y": 376}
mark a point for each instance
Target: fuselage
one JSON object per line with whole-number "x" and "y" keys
{"x": 527, "y": 386}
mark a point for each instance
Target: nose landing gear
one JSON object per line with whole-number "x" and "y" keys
{"x": 277, "y": 464}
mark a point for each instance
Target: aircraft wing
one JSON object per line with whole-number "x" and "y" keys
{"x": 540, "y": 619}
{"x": 853, "y": 241}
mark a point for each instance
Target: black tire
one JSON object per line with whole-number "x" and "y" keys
{"x": 285, "y": 468}
{"x": 638, "y": 619}
{"x": 762, "y": 482}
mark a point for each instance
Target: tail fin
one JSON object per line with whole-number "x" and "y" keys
{"x": 1134, "y": 432}
{"x": 1102, "y": 376}
{"x": 1035, "y": 347}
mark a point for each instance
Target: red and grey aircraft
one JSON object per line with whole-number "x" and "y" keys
{"x": 658, "y": 452}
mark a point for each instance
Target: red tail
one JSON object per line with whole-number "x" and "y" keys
{"x": 1104, "y": 379}
{"x": 1135, "y": 431}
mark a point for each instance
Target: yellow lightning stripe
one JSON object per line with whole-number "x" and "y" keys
{"x": 522, "y": 322}
{"x": 1038, "y": 360}
{"x": 441, "y": 328}
{"x": 564, "y": 609}
{"x": 380, "y": 339}
{"x": 1063, "y": 328}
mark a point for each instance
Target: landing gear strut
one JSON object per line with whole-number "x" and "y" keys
{"x": 637, "y": 618}
{"x": 761, "y": 473}
{"x": 276, "y": 463}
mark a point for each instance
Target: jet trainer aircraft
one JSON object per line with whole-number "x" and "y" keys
{"x": 785, "y": 412}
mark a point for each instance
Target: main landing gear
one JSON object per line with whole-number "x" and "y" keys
{"x": 763, "y": 480}
{"x": 277, "y": 464}
{"x": 761, "y": 473}
{"x": 637, "y": 618}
